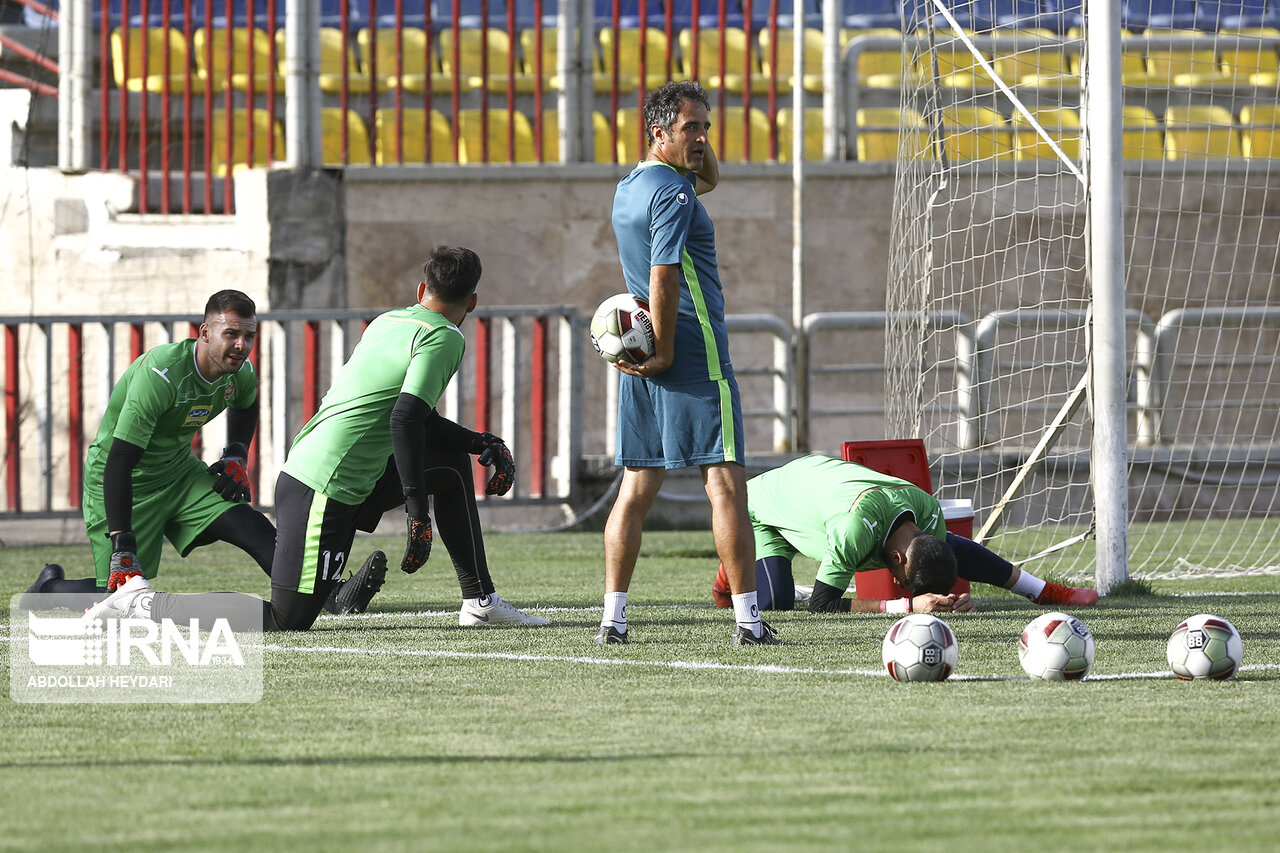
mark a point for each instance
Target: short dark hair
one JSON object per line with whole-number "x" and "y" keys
{"x": 452, "y": 273}
{"x": 662, "y": 105}
{"x": 230, "y": 302}
{"x": 931, "y": 565}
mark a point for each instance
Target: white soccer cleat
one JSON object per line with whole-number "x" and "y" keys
{"x": 131, "y": 601}
{"x": 496, "y": 612}
{"x": 803, "y": 594}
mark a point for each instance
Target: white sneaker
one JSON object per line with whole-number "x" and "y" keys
{"x": 496, "y": 612}
{"x": 130, "y": 601}
{"x": 803, "y": 594}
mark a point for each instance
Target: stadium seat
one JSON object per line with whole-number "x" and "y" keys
{"x": 627, "y": 42}
{"x": 1062, "y": 16}
{"x": 470, "y": 14}
{"x": 412, "y": 133}
{"x": 975, "y": 133}
{"x": 472, "y": 137}
{"x": 357, "y": 153}
{"x": 602, "y": 137}
{"x": 333, "y": 57}
{"x": 957, "y": 67}
{"x": 629, "y": 14}
{"x": 1251, "y": 64}
{"x": 732, "y": 146}
{"x": 1260, "y": 131}
{"x": 632, "y": 144}
{"x": 873, "y": 14}
{"x": 526, "y": 16}
{"x": 1036, "y": 64}
{"x": 878, "y": 68}
{"x": 411, "y": 53}
{"x": 786, "y": 56}
{"x": 1199, "y": 131}
{"x": 414, "y": 13}
{"x": 475, "y": 48}
{"x": 267, "y": 136}
{"x": 878, "y": 129}
{"x": 130, "y": 71}
{"x": 1139, "y": 15}
{"x": 1061, "y": 124}
{"x": 245, "y": 44}
{"x": 1227, "y": 15}
{"x": 1184, "y": 67}
{"x": 738, "y": 57}
{"x": 812, "y": 134}
{"x": 1018, "y": 14}
{"x": 1140, "y": 135}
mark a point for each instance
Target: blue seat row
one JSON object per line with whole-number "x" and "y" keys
{"x": 1056, "y": 15}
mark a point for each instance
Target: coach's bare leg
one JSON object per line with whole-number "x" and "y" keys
{"x": 623, "y": 530}
{"x": 726, "y": 485}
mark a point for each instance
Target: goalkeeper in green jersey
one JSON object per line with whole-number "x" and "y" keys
{"x": 850, "y": 518}
{"x": 142, "y": 481}
{"x": 376, "y": 443}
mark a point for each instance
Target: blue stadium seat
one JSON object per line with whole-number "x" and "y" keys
{"x": 1236, "y": 14}
{"x": 1139, "y": 15}
{"x": 786, "y": 13}
{"x": 525, "y": 13}
{"x": 872, "y": 14}
{"x": 1062, "y": 15}
{"x": 414, "y": 13}
{"x": 1016, "y": 13}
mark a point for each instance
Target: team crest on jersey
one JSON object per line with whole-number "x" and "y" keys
{"x": 196, "y": 417}
{"x": 230, "y": 392}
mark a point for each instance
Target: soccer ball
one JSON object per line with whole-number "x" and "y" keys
{"x": 1056, "y": 647}
{"x": 919, "y": 647}
{"x": 1204, "y": 646}
{"x": 621, "y": 329}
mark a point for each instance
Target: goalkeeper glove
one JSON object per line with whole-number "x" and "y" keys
{"x": 232, "y": 471}
{"x": 124, "y": 559}
{"x": 418, "y": 546}
{"x": 493, "y": 451}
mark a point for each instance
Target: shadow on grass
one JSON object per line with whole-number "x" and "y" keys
{"x": 338, "y": 761}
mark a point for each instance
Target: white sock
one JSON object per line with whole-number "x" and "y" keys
{"x": 747, "y": 612}
{"x": 482, "y": 601}
{"x": 1028, "y": 585}
{"x": 615, "y": 611}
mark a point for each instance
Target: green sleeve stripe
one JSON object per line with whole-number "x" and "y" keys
{"x": 728, "y": 437}
{"x": 311, "y": 553}
{"x": 700, "y": 307}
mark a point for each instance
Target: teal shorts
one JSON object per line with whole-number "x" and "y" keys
{"x": 179, "y": 510}
{"x": 678, "y": 426}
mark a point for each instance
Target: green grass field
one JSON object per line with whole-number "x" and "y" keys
{"x": 399, "y": 730}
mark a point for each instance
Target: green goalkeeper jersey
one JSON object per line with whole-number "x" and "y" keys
{"x": 343, "y": 450}
{"x": 158, "y": 404}
{"x": 838, "y": 513}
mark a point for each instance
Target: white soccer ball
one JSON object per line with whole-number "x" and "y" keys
{"x": 1204, "y": 646}
{"x": 621, "y": 329}
{"x": 1056, "y": 647}
{"x": 919, "y": 647}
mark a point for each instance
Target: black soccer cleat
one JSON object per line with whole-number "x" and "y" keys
{"x": 768, "y": 637}
{"x": 50, "y": 573}
{"x": 354, "y": 594}
{"x": 610, "y": 636}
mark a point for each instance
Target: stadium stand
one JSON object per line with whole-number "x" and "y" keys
{"x": 483, "y": 58}
{"x": 152, "y": 60}
{"x": 735, "y": 51}
{"x": 408, "y": 62}
{"x": 357, "y": 141}
{"x": 604, "y": 151}
{"x": 267, "y": 137}
{"x": 472, "y": 137}
{"x": 627, "y": 42}
{"x": 250, "y": 48}
{"x": 975, "y": 133}
{"x": 786, "y": 56}
{"x": 879, "y": 128}
{"x": 1200, "y": 131}
{"x": 411, "y": 136}
{"x": 1260, "y": 131}
{"x": 812, "y": 134}
{"x": 1061, "y": 124}
{"x": 1141, "y": 137}
{"x": 733, "y": 146}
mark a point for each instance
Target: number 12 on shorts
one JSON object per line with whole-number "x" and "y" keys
{"x": 331, "y": 563}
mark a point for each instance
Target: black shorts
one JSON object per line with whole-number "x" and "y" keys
{"x": 313, "y": 538}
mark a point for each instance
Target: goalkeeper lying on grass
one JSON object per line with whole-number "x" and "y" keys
{"x": 851, "y": 519}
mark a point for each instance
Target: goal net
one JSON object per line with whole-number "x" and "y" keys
{"x": 989, "y": 295}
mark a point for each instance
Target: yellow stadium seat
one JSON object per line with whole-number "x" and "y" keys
{"x": 812, "y": 134}
{"x": 734, "y": 146}
{"x": 632, "y": 143}
{"x": 1251, "y": 64}
{"x": 604, "y": 150}
{"x": 471, "y": 136}
{"x": 958, "y": 67}
{"x": 879, "y": 68}
{"x": 1061, "y": 124}
{"x": 473, "y": 53}
{"x": 786, "y": 58}
{"x": 550, "y": 58}
{"x": 247, "y": 46}
{"x": 1260, "y": 131}
{"x": 151, "y": 75}
{"x": 879, "y": 129}
{"x": 411, "y": 136}
{"x": 417, "y": 57}
{"x": 975, "y": 133}
{"x": 628, "y": 46}
{"x": 334, "y": 57}
{"x": 1199, "y": 131}
{"x": 1037, "y": 65}
{"x": 267, "y": 136}
{"x": 1181, "y": 66}
{"x": 1140, "y": 135}
{"x": 739, "y": 58}
{"x": 357, "y": 153}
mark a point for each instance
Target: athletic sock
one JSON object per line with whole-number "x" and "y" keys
{"x": 481, "y": 602}
{"x": 615, "y": 611}
{"x": 1028, "y": 585}
{"x": 747, "y": 612}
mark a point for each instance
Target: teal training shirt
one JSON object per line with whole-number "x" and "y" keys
{"x": 658, "y": 220}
